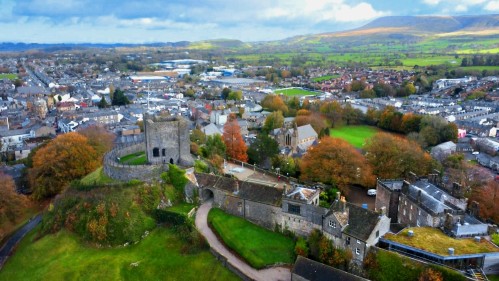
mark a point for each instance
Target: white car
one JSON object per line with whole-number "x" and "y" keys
{"x": 371, "y": 192}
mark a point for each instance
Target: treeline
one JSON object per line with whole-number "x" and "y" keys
{"x": 481, "y": 60}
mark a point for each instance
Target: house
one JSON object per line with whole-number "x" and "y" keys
{"x": 66, "y": 125}
{"x": 219, "y": 117}
{"x": 14, "y": 139}
{"x": 211, "y": 130}
{"x": 443, "y": 150}
{"x": 353, "y": 227}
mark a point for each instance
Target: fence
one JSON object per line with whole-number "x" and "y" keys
{"x": 229, "y": 265}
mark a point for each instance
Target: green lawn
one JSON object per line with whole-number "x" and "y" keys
{"x": 10, "y": 76}
{"x": 435, "y": 241}
{"x": 355, "y": 135}
{"x": 325, "y": 78}
{"x": 137, "y": 158}
{"x": 62, "y": 257}
{"x": 96, "y": 177}
{"x": 493, "y": 277}
{"x": 258, "y": 246}
{"x": 294, "y": 92}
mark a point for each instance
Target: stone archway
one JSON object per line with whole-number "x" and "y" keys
{"x": 206, "y": 194}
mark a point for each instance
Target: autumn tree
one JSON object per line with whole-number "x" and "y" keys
{"x": 488, "y": 198}
{"x": 12, "y": 205}
{"x": 99, "y": 138}
{"x": 335, "y": 161}
{"x": 273, "y": 121}
{"x": 235, "y": 95}
{"x": 315, "y": 119}
{"x": 62, "y": 160}
{"x": 236, "y": 148}
{"x": 333, "y": 112}
{"x": 394, "y": 157}
{"x": 274, "y": 103}
{"x": 410, "y": 123}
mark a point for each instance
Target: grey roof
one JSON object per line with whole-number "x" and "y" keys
{"x": 447, "y": 146}
{"x": 306, "y": 131}
{"x": 432, "y": 197}
{"x": 211, "y": 129}
{"x": 316, "y": 271}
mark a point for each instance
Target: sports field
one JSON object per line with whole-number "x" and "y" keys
{"x": 294, "y": 92}
{"x": 355, "y": 135}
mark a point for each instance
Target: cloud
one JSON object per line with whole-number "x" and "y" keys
{"x": 492, "y": 6}
{"x": 449, "y": 6}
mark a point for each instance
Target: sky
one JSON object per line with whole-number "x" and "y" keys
{"x": 147, "y": 21}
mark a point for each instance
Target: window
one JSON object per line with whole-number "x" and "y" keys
{"x": 332, "y": 224}
{"x": 348, "y": 241}
{"x": 377, "y": 233}
{"x": 294, "y": 209}
{"x": 163, "y": 152}
{"x": 155, "y": 152}
{"x": 357, "y": 251}
{"x": 358, "y": 241}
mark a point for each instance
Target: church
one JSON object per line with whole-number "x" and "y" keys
{"x": 297, "y": 139}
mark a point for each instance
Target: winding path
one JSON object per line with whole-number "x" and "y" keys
{"x": 274, "y": 273}
{"x": 9, "y": 246}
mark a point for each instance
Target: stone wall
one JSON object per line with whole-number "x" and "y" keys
{"x": 122, "y": 172}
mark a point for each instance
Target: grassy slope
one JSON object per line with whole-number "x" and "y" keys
{"x": 96, "y": 177}
{"x": 355, "y": 135}
{"x": 63, "y": 257}
{"x": 10, "y": 76}
{"x": 258, "y": 246}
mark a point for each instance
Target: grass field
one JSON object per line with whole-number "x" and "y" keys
{"x": 355, "y": 135}
{"x": 435, "y": 241}
{"x": 96, "y": 177}
{"x": 258, "y": 246}
{"x": 182, "y": 208}
{"x": 294, "y": 92}
{"x": 62, "y": 257}
{"x": 325, "y": 78}
{"x": 10, "y": 76}
{"x": 137, "y": 158}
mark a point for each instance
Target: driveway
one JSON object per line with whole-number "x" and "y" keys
{"x": 358, "y": 195}
{"x": 275, "y": 273}
{"x": 9, "y": 246}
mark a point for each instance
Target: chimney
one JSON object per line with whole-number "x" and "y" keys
{"x": 412, "y": 177}
{"x": 456, "y": 189}
{"x": 383, "y": 211}
{"x": 343, "y": 204}
{"x": 285, "y": 189}
{"x": 405, "y": 187}
{"x": 338, "y": 195}
{"x": 419, "y": 196}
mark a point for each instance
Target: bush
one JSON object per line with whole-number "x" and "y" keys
{"x": 170, "y": 218}
{"x": 495, "y": 238}
{"x": 301, "y": 248}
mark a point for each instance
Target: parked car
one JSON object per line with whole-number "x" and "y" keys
{"x": 371, "y": 192}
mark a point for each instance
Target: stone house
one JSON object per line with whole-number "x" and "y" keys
{"x": 298, "y": 139}
{"x": 295, "y": 209}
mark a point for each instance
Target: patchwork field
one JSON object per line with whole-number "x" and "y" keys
{"x": 258, "y": 246}
{"x": 355, "y": 135}
{"x": 62, "y": 256}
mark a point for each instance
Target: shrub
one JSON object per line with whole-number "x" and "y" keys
{"x": 301, "y": 248}
{"x": 495, "y": 238}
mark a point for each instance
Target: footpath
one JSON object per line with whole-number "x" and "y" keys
{"x": 8, "y": 247}
{"x": 274, "y": 273}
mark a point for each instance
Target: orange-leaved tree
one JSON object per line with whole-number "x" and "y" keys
{"x": 394, "y": 157}
{"x": 236, "y": 148}
{"x": 62, "y": 160}
{"x": 337, "y": 162}
{"x": 12, "y": 205}
{"x": 99, "y": 138}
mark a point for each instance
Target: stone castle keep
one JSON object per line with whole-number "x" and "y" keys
{"x": 166, "y": 142}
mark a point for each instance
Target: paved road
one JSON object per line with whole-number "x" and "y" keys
{"x": 275, "y": 273}
{"x": 358, "y": 196}
{"x": 9, "y": 246}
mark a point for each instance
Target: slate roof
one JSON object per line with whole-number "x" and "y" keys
{"x": 306, "y": 131}
{"x": 316, "y": 271}
{"x": 361, "y": 222}
{"x": 301, "y": 193}
{"x": 247, "y": 190}
{"x": 432, "y": 197}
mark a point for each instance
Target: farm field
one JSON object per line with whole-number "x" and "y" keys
{"x": 355, "y": 135}
{"x": 62, "y": 256}
{"x": 258, "y": 246}
{"x": 294, "y": 92}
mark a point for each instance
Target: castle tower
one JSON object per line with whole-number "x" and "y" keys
{"x": 167, "y": 140}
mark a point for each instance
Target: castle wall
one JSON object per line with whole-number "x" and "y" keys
{"x": 122, "y": 172}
